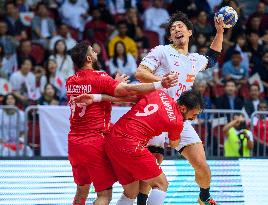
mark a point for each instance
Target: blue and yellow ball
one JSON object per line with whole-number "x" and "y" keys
{"x": 229, "y": 16}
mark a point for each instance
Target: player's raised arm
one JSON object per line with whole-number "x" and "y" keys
{"x": 216, "y": 44}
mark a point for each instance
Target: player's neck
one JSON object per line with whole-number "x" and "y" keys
{"x": 87, "y": 67}
{"x": 181, "y": 49}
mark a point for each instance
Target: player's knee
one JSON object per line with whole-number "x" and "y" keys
{"x": 103, "y": 200}
{"x": 202, "y": 167}
{"x": 161, "y": 184}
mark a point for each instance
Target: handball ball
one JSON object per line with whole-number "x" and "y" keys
{"x": 228, "y": 15}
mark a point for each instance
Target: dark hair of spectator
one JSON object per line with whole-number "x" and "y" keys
{"x": 6, "y": 96}
{"x": 55, "y": 90}
{"x": 179, "y": 16}
{"x": 55, "y": 47}
{"x": 116, "y": 54}
{"x": 229, "y": 81}
{"x": 253, "y": 32}
{"x": 79, "y": 52}
{"x": 41, "y": 3}
{"x": 121, "y": 22}
{"x": 23, "y": 61}
{"x": 48, "y": 73}
{"x": 2, "y": 51}
{"x": 263, "y": 102}
{"x": 254, "y": 85}
{"x": 236, "y": 52}
{"x": 10, "y": 2}
{"x": 192, "y": 99}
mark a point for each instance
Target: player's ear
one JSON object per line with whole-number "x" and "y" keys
{"x": 182, "y": 109}
{"x": 89, "y": 59}
{"x": 190, "y": 32}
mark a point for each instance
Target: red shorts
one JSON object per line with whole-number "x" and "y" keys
{"x": 90, "y": 164}
{"x": 131, "y": 166}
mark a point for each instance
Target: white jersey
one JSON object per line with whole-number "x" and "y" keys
{"x": 164, "y": 59}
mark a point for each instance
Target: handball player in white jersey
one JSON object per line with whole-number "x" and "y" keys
{"x": 176, "y": 57}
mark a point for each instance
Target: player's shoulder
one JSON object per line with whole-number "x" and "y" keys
{"x": 100, "y": 73}
{"x": 197, "y": 56}
{"x": 159, "y": 48}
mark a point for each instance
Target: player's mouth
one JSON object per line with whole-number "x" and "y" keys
{"x": 179, "y": 36}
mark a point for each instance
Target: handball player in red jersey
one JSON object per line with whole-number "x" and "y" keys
{"x": 90, "y": 124}
{"x": 132, "y": 162}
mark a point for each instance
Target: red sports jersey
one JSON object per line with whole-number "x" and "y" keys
{"x": 95, "y": 118}
{"x": 153, "y": 114}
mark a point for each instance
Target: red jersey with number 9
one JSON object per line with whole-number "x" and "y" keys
{"x": 153, "y": 114}
{"x": 95, "y": 118}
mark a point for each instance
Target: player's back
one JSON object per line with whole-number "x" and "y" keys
{"x": 95, "y": 118}
{"x": 153, "y": 114}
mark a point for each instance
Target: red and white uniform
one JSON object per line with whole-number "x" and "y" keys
{"x": 153, "y": 114}
{"x": 164, "y": 59}
{"x": 88, "y": 127}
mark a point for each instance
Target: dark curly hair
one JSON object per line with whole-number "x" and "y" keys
{"x": 79, "y": 52}
{"x": 192, "y": 99}
{"x": 179, "y": 16}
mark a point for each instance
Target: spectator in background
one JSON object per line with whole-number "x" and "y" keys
{"x": 23, "y": 82}
{"x": 252, "y": 103}
{"x": 102, "y": 58}
{"x": 7, "y": 41}
{"x": 187, "y": 6}
{"x": 202, "y": 25}
{"x": 122, "y": 62}
{"x": 63, "y": 34}
{"x": 131, "y": 46}
{"x": 260, "y": 12}
{"x": 22, "y": 6}
{"x": 40, "y": 81}
{"x": 12, "y": 18}
{"x": 12, "y": 129}
{"x": 235, "y": 70}
{"x": 262, "y": 69}
{"x": 64, "y": 61}
{"x": 260, "y": 123}
{"x": 229, "y": 100}
{"x": 255, "y": 47}
{"x": 132, "y": 22}
{"x": 96, "y": 28}
{"x": 254, "y": 24}
{"x": 239, "y": 140}
{"x": 49, "y": 96}
{"x": 105, "y": 13}
{"x": 25, "y": 51}
{"x": 74, "y": 14}
{"x": 55, "y": 78}
{"x": 7, "y": 65}
{"x": 155, "y": 19}
{"x": 43, "y": 27}
{"x": 200, "y": 40}
{"x": 121, "y": 6}
{"x": 241, "y": 46}
{"x": 141, "y": 40}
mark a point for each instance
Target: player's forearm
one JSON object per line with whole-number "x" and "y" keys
{"x": 134, "y": 89}
{"x": 145, "y": 76}
{"x": 250, "y": 144}
{"x": 216, "y": 44}
{"x": 109, "y": 98}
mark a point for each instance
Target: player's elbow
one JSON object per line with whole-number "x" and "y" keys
{"x": 139, "y": 74}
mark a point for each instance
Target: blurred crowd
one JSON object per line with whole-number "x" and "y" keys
{"x": 36, "y": 37}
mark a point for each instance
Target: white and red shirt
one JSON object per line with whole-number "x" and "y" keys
{"x": 164, "y": 59}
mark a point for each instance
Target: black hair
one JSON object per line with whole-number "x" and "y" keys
{"x": 121, "y": 22}
{"x": 6, "y": 96}
{"x": 236, "y": 52}
{"x": 192, "y": 99}
{"x": 116, "y": 54}
{"x": 79, "y": 52}
{"x": 179, "y": 16}
{"x": 23, "y": 61}
{"x": 55, "y": 47}
{"x": 2, "y": 54}
{"x": 254, "y": 84}
{"x": 230, "y": 80}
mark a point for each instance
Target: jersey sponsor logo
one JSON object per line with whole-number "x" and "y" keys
{"x": 177, "y": 63}
{"x": 167, "y": 106}
{"x": 190, "y": 78}
{"x": 77, "y": 89}
{"x": 173, "y": 55}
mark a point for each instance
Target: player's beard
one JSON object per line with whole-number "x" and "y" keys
{"x": 95, "y": 65}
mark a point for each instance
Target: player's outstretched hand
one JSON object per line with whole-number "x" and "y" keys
{"x": 169, "y": 80}
{"x": 122, "y": 78}
{"x": 219, "y": 24}
{"x": 83, "y": 99}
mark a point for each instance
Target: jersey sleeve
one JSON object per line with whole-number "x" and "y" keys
{"x": 153, "y": 59}
{"x": 175, "y": 131}
{"x": 107, "y": 84}
{"x": 202, "y": 62}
